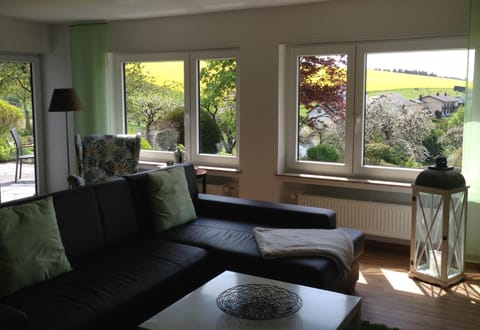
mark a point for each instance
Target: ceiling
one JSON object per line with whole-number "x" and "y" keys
{"x": 64, "y": 11}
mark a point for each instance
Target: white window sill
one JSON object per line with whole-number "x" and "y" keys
{"x": 210, "y": 169}
{"x": 344, "y": 182}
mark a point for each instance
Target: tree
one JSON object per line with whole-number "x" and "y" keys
{"x": 16, "y": 86}
{"x": 210, "y": 133}
{"x": 147, "y": 102}
{"x": 151, "y": 107}
{"x": 433, "y": 145}
{"x": 323, "y": 83}
{"x": 218, "y": 97}
{"x": 322, "y": 101}
{"x": 452, "y": 139}
{"x": 400, "y": 125}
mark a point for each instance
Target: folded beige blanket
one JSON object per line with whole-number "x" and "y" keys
{"x": 334, "y": 244}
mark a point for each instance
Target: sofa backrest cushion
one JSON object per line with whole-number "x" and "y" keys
{"x": 79, "y": 221}
{"x": 170, "y": 199}
{"x": 117, "y": 210}
{"x": 31, "y": 249}
{"x": 139, "y": 187}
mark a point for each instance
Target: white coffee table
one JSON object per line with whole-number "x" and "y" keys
{"x": 198, "y": 310}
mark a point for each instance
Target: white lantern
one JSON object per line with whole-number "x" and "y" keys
{"x": 439, "y": 214}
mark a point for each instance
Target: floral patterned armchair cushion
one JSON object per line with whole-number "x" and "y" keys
{"x": 101, "y": 158}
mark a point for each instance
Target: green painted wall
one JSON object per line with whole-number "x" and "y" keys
{"x": 89, "y": 65}
{"x": 471, "y": 154}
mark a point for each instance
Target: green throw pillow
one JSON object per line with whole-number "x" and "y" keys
{"x": 31, "y": 250}
{"x": 169, "y": 198}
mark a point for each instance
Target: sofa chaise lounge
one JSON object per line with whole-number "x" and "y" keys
{"x": 124, "y": 271}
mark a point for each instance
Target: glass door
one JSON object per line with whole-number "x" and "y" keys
{"x": 18, "y": 156}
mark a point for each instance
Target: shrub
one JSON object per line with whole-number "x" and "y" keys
{"x": 10, "y": 116}
{"x": 209, "y": 131}
{"x": 434, "y": 146}
{"x": 209, "y": 134}
{"x": 5, "y": 150}
{"x": 144, "y": 145}
{"x": 176, "y": 119}
{"x": 375, "y": 153}
{"x": 323, "y": 153}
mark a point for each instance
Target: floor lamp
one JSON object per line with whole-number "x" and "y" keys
{"x": 65, "y": 100}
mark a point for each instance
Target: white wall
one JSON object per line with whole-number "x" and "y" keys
{"x": 57, "y": 73}
{"x": 19, "y": 36}
{"x": 258, "y": 34}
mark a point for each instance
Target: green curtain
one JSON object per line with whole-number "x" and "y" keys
{"x": 89, "y": 71}
{"x": 471, "y": 150}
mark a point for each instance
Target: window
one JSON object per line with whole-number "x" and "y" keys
{"x": 187, "y": 99}
{"x": 379, "y": 110}
{"x": 216, "y": 107}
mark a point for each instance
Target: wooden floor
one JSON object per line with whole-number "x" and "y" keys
{"x": 389, "y": 296}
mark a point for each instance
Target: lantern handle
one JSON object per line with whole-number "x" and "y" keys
{"x": 441, "y": 164}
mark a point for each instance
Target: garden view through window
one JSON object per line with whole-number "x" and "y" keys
{"x": 155, "y": 96}
{"x": 154, "y": 102}
{"x": 414, "y": 107}
{"x": 412, "y": 111}
{"x": 218, "y": 106}
{"x": 322, "y": 105}
{"x": 17, "y": 161}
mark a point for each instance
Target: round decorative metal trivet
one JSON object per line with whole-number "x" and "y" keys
{"x": 259, "y": 302}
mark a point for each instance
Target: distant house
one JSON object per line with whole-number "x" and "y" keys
{"x": 459, "y": 89}
{"x": 320, "y": 118}
{"x": 443, "y": 104}
{"x": 391, "y": 98}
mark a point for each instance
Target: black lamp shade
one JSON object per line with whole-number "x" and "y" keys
{"x": 441, "y": 176}
{"x": 64, "y": 99}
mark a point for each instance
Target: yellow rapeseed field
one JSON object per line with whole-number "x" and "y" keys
{"x": 384, "y": 80}
{"x": 377, "y": 81}
{"x": 165, "y": 71}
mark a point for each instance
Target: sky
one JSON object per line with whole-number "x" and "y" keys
{"x": 444, "y": 63}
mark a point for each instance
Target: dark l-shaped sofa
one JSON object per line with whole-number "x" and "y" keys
{"x": 124, "y": 271}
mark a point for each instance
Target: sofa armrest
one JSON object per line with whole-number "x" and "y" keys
{"x": 12, "y": 319}
{"x": 264, "y": 213}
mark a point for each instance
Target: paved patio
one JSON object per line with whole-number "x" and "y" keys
{"x": 9, "y": 190}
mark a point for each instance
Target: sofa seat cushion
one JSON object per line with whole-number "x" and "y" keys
{"x": 122, "y": 284}
{"x": 234, "y": 243}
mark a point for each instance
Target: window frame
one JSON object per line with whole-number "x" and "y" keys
{"x": 354, "y": 136}
{"x": 196, "y": 156}
{"x": 191, "y": 102}
{"x": 293, "y": 164}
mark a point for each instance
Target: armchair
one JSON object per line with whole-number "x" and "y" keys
{"x": 101, "y": 158}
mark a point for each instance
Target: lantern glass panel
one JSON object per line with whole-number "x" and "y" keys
{"x": 429, "y": 233}
{"x": 456, "y": 235}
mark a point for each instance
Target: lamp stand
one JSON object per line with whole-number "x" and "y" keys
{"x": 68, "y": 143}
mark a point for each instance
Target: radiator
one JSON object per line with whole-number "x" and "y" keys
{"x": 221, "y": 189}
{"x": 373, "y": 218}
